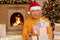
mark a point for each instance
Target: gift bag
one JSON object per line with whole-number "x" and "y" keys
{"x": 43, "y": 30}
{"x": 40, "y": 29}
{"x": 36, "y": 30}
{"x": 43, "y": 33}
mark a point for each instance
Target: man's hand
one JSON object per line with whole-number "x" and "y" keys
{"x": 29, "y": 37}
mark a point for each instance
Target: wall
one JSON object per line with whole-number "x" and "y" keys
{"x": 40, "y": 2}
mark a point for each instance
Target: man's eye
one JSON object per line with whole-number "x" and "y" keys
{"x": 32, "y": 10}
{"x": 37, "y": 10}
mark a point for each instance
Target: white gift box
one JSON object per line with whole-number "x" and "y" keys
{"x": 2, "y": 30}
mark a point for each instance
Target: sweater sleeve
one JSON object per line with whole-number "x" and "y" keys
{"x": 49, "y": 31}
{"x": 24, "y": 35}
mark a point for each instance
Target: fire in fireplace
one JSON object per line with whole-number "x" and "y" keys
{"x": 16, "y": 19}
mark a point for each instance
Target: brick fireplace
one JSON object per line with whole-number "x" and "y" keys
{"x": 6, "y": 12}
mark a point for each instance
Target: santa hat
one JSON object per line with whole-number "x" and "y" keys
{"x": 34, "y": 6}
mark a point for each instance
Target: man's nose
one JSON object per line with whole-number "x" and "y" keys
{"x": 35, "y": 11}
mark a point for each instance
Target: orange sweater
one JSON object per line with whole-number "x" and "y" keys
{"x": 28, "y": 27}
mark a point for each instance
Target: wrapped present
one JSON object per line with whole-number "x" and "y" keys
{"x": 43, "y": 23}
{"x": 43, "y": 26}
{"x": 36, "y": 30}
{"x": 43, "y": 31}
{"x": 2, "y": 30}
{"x": 40, "y": 29}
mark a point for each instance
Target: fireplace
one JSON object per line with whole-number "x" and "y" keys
{"x": 13, "y": 15}
{"x": 16, "y": 19}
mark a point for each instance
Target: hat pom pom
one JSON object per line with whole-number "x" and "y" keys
{"x": 28, "y": 12}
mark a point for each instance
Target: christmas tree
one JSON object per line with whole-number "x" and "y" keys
{"x": 51, "y": 10}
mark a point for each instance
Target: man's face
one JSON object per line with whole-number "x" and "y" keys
{"x": 35, "y": 13}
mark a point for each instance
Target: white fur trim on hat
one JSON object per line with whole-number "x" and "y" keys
{"x": 35, "y": 8}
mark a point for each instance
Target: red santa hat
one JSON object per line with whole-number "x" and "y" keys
{"x": 34, "y": 6}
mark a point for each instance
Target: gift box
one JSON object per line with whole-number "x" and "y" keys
{"x": 40, "y": 29}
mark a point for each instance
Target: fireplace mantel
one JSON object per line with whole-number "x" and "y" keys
{"x": 16, "y": 5}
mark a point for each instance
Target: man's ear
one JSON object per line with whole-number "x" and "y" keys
{"x": 40, "y": 11}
